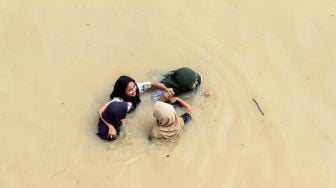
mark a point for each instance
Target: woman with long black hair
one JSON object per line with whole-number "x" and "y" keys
{"x": 126, "y": 89}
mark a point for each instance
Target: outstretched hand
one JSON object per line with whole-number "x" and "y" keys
{"x": 112, "y": 132}
{"x": 208, "y": 93}
{"x": 187, "y": 106}
{"x": 170, "y": 92}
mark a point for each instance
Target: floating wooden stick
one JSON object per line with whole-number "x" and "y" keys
{"x": 58, "y": 173}
{"x": 262, "y": 113}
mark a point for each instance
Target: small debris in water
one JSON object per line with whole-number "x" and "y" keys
{"x": 58, "y": 173}
{"x": 167, "y": 155}
{"x": 262, "y": 113}
{"x": 325, "y": 136}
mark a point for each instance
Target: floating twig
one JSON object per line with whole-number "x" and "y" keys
{"x": 262, "y": 113}
{"x": 58, "y": 173}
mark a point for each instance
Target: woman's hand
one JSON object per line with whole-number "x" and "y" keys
{"x": 207, "y": 93}
{"x": 187, "y": 106}
{"x": 170, "y": 92}
{"x": 168, "y": 95}
{"x": 112, "y": 132}
{"x": 190, "y": 109}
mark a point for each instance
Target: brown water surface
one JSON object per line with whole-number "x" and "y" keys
{"x": 59, "y": 60}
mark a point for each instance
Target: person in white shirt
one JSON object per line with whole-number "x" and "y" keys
{"x": 126, "y": 89}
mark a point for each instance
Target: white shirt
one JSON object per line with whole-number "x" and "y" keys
{"x": 144, "y": 86}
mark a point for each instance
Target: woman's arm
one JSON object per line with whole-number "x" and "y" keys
{"x": 182, "y": 103}
{"x": 158, "y": 85}
{"x": 112, "y": 132}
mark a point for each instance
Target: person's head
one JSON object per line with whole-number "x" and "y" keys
{"x": 197, "y": 82}
{"x": 114, "y": 113}
{"x": 168, "y": 124}
{"x": 182, "y": 80}
{"x": 116, "y": 110}
{"x": 131, "y": 89}
{"x": 125, "y": 87}
{"x": 164, "y": 113}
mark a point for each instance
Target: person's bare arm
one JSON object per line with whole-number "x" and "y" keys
{"x": 112, "y": 132}
{"x": 165, "y": 97}
{"x": 158, "y": 85}
{"x": 182, "y": 102}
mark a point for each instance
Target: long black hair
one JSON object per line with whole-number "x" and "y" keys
{"x": 120, "y": 88}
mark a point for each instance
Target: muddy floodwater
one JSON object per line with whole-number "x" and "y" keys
{"x": 271, "y": 66}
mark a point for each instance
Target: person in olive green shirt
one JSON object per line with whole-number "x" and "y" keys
{"x": 182, "y": 80}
